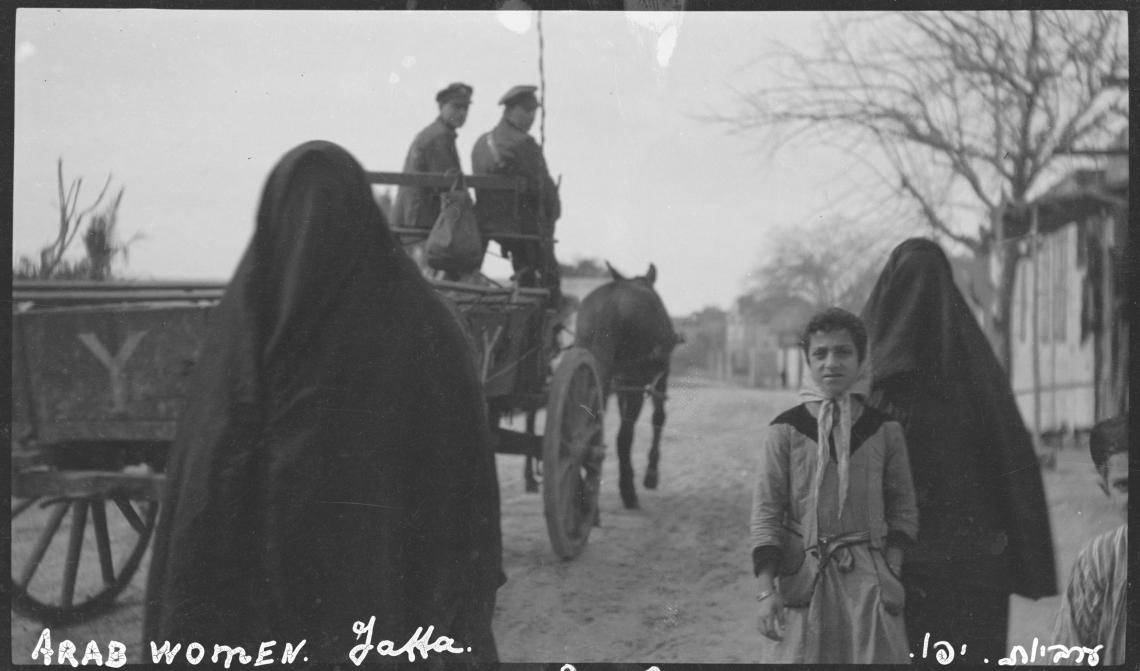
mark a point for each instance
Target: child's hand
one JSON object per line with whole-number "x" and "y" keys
{"x": 771, "y": 616}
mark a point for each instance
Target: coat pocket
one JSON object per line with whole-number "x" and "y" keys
{"x": 892, "y": 594}
{"x": 798, "y": 572}
{"x": 796, "y": 588}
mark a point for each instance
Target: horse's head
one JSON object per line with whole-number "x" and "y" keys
{"x": 641, "y": 303}
{"x": 647, "y": 279}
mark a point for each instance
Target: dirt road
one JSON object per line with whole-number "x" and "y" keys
{"x": 672, "y": 582}
{"x": 669, "y": 582}
{"x": 665, "y": 584}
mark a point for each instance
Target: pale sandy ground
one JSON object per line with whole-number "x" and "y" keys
{"x": 670, "y": 582}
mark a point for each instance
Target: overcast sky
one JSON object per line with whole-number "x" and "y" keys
{"x": 189, "y": 110}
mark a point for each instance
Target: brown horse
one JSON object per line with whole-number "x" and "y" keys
{"x": 624, "y": 324}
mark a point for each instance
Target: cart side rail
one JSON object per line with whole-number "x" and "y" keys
{"x": 103, "y": 373}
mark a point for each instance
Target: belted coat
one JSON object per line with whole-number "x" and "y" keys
{"x": 432, "y": 150}
{"x": 510, "y": 151}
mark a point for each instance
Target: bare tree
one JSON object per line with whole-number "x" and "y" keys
{"x": 960, "y": 115}
{"x": 828, "y": 262}
{"x": 100, "y": 241}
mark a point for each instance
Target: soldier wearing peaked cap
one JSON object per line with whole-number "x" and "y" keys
{"x": 508, "y": 149}
{"x": 432, "y": 150}
{"x": 521, "y": 94}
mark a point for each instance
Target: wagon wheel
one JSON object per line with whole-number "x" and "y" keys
{"x": 572, "y": 452}
{"x": 50, "y": 582}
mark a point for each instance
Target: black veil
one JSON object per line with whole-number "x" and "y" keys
{"x": 980, "y": 494}
{"x": 333, "y": 461}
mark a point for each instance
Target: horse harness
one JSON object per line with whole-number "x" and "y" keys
{"x": 649, "y": 389}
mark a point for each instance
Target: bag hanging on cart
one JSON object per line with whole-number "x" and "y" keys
{"x": 454, "y": 244}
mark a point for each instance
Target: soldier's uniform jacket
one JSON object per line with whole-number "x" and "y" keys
{"x": 433, "y": 150}
{"x": 507, "y": 150}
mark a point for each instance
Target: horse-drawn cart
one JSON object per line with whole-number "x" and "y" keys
{"x": 99, "y": 376}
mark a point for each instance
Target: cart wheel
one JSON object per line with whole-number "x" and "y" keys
{"x": 572, "y": 452}
{"x": 49, "y": 582}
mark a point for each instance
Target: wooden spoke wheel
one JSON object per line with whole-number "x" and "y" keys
{"x": 72, "y": 556}
{"x": 572, "y": 451}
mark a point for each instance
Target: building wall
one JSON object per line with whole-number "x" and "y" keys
{"x": 747, "y": 349}
{"x": 791, "y": 363}
{"x": 1066, "y": 364}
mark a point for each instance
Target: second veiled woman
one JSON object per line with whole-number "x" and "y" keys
{"x": 984, "y": 526}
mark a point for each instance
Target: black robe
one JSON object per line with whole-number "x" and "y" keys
{"x": 980, "y": 496}
{"x": 333, "y": 462}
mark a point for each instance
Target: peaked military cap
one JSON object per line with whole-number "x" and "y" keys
{"x": 457, "y": 92}
{"x": 518, "y": 95}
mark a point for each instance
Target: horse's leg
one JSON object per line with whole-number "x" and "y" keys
{"x": 528, "y": 468}
{"x": 629, "y": 405}
{"x": 658, "y": 424}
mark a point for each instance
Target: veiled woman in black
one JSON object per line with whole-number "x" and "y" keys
{"x": 983, "y": 522}
{"x": 332, "y": 462}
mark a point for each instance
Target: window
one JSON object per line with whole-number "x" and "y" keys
{"x": 1043, "y": 257}
{"x": 1062, "y": 240}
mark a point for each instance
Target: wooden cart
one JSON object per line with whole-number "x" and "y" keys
{"x": 100, "y": 372}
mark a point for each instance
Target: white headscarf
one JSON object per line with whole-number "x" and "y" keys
{"x": 830, "y": 406}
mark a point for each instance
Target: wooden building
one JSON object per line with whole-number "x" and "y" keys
{"x": 1069, "y": 326}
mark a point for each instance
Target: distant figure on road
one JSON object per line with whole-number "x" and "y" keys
{"x": 833, "y": 510}
{"x": 985, "y": 526}
{"x": 432, "y": 150}
{"x": 333, "y": 460}
{"x": 1094, "y": 609}
{"x": 508, "y": 149}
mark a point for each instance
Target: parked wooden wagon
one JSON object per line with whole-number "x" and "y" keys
{"x": 99, "y": 376}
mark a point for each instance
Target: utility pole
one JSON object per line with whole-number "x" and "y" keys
{"x": 1035, "y": 257}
